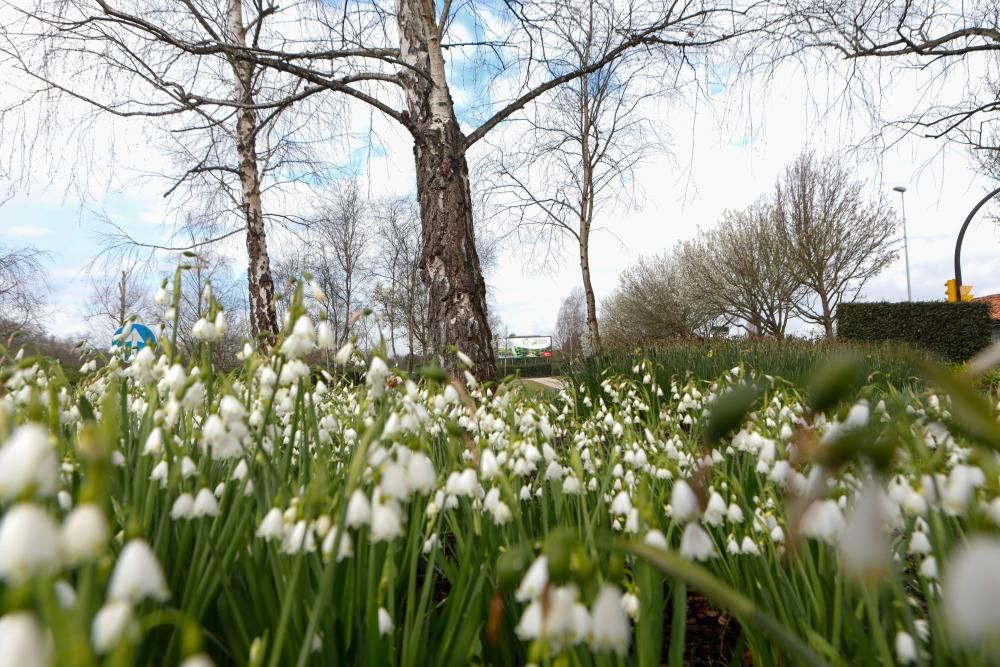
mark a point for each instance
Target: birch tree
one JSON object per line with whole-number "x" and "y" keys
{"x": 183, "y": 69}
{"x": 575, "y": 160}
{"x": 396, "y": 64}
{"x": 571, "y": 323}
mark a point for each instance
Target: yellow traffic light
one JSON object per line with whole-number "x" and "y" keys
{"x": 951, "y": 290}
{"x": 966, "y": 293}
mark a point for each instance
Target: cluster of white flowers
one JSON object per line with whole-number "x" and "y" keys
{"x": 396, "y": 462}
{"x": 556, "y": 616}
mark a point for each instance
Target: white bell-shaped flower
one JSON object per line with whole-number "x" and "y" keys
{"x": 137, "y": 574}
{"x": 29, "y": 543}
{"x": 28, "y": 461}
{"x": 84, "y": 533}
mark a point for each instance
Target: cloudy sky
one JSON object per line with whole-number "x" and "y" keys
{"x": 725, "y": 149}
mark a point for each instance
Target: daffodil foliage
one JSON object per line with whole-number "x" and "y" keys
{"x": 162, "y": 513}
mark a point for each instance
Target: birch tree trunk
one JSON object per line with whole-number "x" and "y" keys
{"x": 587, "y": 212}
{"x": 263, "y": 318}
{"x": 449, "y": 264}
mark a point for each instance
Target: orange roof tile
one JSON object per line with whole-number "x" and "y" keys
{"x": 994, "y": 301}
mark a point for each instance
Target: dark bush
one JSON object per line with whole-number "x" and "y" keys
{"x": 953, "y": 331}
{"x": 534, "y": 369}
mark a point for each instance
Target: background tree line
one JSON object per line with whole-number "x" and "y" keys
{"x": 811, "y": 244}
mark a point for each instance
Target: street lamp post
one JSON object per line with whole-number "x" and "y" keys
{"x": 961, "y": 237}
{"x": 901, "y": 189}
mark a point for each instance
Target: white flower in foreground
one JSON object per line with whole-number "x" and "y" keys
{"x": 384, "y": 621}
{"x": 535, "y": 580}
{"x": 198, "y": 660}
{"x": 205, "y": 504}
{"x": 621, "y": 505}
{"x": 376, "y": 376}
{"x": 715, "y": 512}
{"x": 970, "y": 591}
{"x": 220, "y": 323}
{"x": 823, "y": 521}
{"x": 344, "y": 354}
{"x": 864, "y": 545}
{"x": 84, "y": 533}
{"x": 630, "y": 603}
{"x": 29, "y": 543}
{"x": 571, "y": 486}
{"x": 272, "y": 526}
{"x": 462, "y": 484}
{"x": 906, "y": 648}
{"x": 386, "y": 522}
{"x": 683, "y": 503}
{"x": 359, "y": 510}
{"x": 300, "y": 539}
{"x": 488, "y": 465}
{"x": 317, "y": 292}
{"x": 420, "y": 473}
{"x": 564, "y": 621}
{"x": 609, "y": 622}
{"x": 301, "y": 341}
{"x": 110, "y": 625}
{"x": 734, "y": 513}
{"x": 64, "y": 593}
{"x": 928, "y": 568}
{"x": 531, "y": 624}
{"x": 204, "y": 330}
{"x": 137, "y": 574}
{"x": 655, "y": 538}
{"x": 324, "y": 336}
{"x": 346, "y": 549}
{"x": 28, "y": 460}
{"x": 183, "y": 507}
{"x": 697, "y": 544}
{"x": 23, "y": 642}
{"x": 919, "y": 544}
{"x": 749, "y": 547}
{"x": 159, "y": 473}
{"x": 154, "y": 443}
{"x": 161, "y": 298}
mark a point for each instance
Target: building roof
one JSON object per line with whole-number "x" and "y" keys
{"x": 994, "y": 301}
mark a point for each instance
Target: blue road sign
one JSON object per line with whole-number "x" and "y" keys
{"x": 132, "y": 337}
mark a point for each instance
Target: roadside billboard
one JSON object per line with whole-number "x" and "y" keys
{"x": 524, "y": 347}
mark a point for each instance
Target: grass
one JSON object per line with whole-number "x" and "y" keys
{"x": 793, "y": 360}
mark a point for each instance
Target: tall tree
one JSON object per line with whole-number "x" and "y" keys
{"x": 22, "y": 285}
{"x": 575, "y": 158}
{"x": 182, "y": 68}
{"x": 743, "y": 270}
{"x": 412, "y": 38}
{"x": 652, "y": 303}
{"x": 397, "y": 267}
{"x": 116, "y": 297}
{"x": 210, "y": 273}
{"x": 837, "y": 239}
{"x": 345, "y": 230}
{"x": 571, "y": 323}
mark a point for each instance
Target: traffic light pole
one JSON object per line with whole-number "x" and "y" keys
{"x": 961, "y": 237}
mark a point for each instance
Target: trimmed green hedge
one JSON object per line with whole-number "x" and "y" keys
{"x": 536, "y": 369}
{"x": 953, "y": 331}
